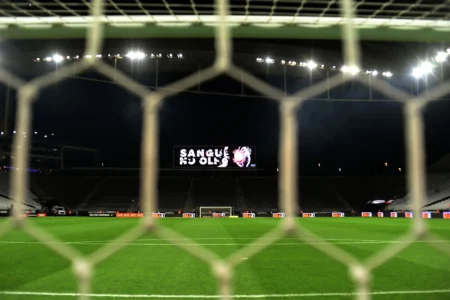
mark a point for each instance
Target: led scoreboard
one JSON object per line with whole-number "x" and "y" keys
{"x": 279, "y": 215}
{"x": 188, "y": 215}
{"x": 309, "y": 215}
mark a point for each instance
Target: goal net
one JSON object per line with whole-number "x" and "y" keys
{"x": 223, "y": 20}
{"x": 215, "y": 211}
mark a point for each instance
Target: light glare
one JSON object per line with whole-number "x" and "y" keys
{"x": 441, "y": 56}
{"x": 133, "y": 55}
{"x": 57, "y": 58}
{"x": 311, "y": 65}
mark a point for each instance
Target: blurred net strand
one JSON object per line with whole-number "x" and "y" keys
{"x": 360, "y": 273}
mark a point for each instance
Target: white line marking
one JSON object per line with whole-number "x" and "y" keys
{"x": 300, "y": 243}
{"x": 23, "y": 293}
{"x": 254, "y": 238}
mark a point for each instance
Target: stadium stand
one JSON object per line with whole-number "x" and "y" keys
{"x": 259, "y": 192}
{"x": 31, "y": 201}
{"x": 174, "y": 193}
{"x": 114, "y": 193}
{"x": 67, "y": 191}
{"x": 120, "y": 192}
{"x": 438, "y": 193}
{"x": 215, "y": 192}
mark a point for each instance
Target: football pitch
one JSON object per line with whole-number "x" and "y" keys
{"x": 151, "y": 267}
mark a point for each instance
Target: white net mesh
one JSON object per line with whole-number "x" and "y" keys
{"x": 63, "y": 12}
{"x": 394, "y": 19}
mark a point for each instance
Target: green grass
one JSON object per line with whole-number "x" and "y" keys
{"x": 289, "y": 266}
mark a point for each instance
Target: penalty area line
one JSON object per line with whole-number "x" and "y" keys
{"x": 156, "y": 296}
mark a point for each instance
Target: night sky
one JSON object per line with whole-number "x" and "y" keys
{"x": 355, "y": 136}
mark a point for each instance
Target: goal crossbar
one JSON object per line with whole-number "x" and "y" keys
{"x": 242, "y": 27}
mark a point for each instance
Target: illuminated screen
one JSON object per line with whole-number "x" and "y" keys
{"x": 279, "y": 215}
{"x": 446, "y": 215}
{"x": 309, "y": 215}
{"x": 239, "y": 157}
{"x": 159, "y": 215}
{"x": 426, "y": 215}
{"x": 337, "y": 214}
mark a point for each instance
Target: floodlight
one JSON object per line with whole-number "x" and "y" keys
{"x": 48, "y": 58}
{"x": 283, "y": 62}
{"x": 98, "y": 56}
{"x": 269, "y": 60}
{"x": 1, "y": 133}
{"x": 374, "y": 73}
{"x": 159, "y": 55}
{"x": 441, "y": 56}
{"x": 180, "y": 55}
{"x": 350, "y": 69}
{"x": 57, "y": 58}
{"x": 387, "y": 74}
{"x": 170, "y": 55}
{"x": 425, "y": 68}
{"x": 133, "y": 55}
{"x": 311, "y": 65}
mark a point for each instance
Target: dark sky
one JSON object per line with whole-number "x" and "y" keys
{"x": 355, "y": 136}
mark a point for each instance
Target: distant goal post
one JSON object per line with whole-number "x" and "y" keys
{"x": 215, "y": 211}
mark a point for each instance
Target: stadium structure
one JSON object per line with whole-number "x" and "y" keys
{"x": 87, "y": 190}
{"x": 72, "y": 177}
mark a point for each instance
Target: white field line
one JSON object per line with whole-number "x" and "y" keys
{"x": 300, "y": 243}
{"x": 252, "y": 238}
{"x": 147, "y": 296}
